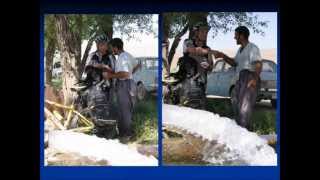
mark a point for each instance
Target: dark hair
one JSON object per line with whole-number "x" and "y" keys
{"x": 117, "y": 42}
{"x": 243, "y": 30}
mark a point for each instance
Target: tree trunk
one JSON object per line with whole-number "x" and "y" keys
{"x": 51, "y": 47}
{"x": 67, "y": 43}
{"x": 165, "y": 48}
{"x": 166, "y": 67}
{"x": 77, "y": 37}
{"x": 175, "y": 44}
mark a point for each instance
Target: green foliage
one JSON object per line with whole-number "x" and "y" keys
{"x": 264, "y": 121}
{"x": 88, "y": 24}
{"x": 49, "y": 30}
{"x": 145, "y": 121}
{"x": 221, "y": 106}
{"x": 174, "y": 23}
{"x": 128, "y": 24}
{"x": 227, "y": 21}
{"x": 219, "y": 21}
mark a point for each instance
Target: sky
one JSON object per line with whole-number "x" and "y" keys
{"x": 226, "y": 41}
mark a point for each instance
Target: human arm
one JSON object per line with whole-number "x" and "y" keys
{"x": 136, "y": 68}
{"x": 118, "y": 75}
{"x": 256, "y": 64}
{"x": 103, "y": 67}
{"x": 228, "y": 59}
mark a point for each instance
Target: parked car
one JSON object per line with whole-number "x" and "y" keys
{"x": 221, "y": 80}
{"x": 146, "y": 76}
{"x": 57, "y": 70}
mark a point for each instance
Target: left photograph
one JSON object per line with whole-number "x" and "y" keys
{"x": 100, "y": 90}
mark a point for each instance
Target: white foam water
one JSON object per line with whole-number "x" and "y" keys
{"x": 232, "y": 144}
{"x": 114, "y": 152}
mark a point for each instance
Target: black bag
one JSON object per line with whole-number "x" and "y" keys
{"x": 186, "y": 68}
{"x": 192, "y": 94}
{"x": 190, "y": 91}
{"x": 103, "y": 118}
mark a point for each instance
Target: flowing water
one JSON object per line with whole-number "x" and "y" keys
{"x": 227, "y": 143}
{"x": 114, "y": 152}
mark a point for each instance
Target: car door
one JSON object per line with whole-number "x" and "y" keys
{"x": 226, "y": 76}
{"x": 268, "y": 77}
{"x": 150, "y": 73}
{"x": 213, "y": 84}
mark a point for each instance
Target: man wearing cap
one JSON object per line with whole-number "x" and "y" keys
{"x": 196, "y": 49}
{"x": 100, "y": 96}
{"x": 100, "y": 59}
{"x": 125, "y": 66}
{"x": 248, "y": 67}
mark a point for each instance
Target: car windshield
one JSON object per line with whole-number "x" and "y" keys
{"x": 268, "y": 66}
{"x": 218, "y": 67}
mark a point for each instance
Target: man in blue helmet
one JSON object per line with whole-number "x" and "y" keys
{"x": 101, "y": 58}
{"x": 100, "y": 94}
{"x": 195, "y": 63}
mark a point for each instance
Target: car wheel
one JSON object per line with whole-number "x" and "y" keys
{"x": 274, "y": 103}
{"x": 141, "y": 91}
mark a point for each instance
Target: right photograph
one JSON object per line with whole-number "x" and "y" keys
{"x": 219, "y": 86}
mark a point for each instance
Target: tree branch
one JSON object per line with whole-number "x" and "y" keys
{"x": 175, "y": 43}
{"x": 86, "y": 53}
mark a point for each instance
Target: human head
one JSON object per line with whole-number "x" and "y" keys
{"x": 201, "y": 30}
{"x": 102, "y": 43}
{"x": 117, "y": 45}
{"x": 241, "y": 34}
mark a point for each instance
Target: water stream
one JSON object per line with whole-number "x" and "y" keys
{"x": 228, "y": 143}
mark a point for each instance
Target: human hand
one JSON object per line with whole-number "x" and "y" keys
{"x": 252, "y": 83}
{"x": 106, "y": 75}
{"x": 204, "y": 65}
{"x": 200, "y": 51}
{"x": 107, "y": 68}
{"x": 100, "y": 66}
{"x": 218, "y": 54}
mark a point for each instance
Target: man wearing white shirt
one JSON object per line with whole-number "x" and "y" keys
{"x": 248, "y": 67}
{"x": 125, "y": 66}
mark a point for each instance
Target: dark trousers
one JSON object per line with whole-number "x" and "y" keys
{"x": 126, "y": 95}
{"x": 244, "y": 98}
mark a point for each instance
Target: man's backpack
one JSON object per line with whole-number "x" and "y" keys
{"x": 186, "y": 68}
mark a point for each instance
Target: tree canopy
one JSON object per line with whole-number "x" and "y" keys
{"x": 219, "y": 21}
